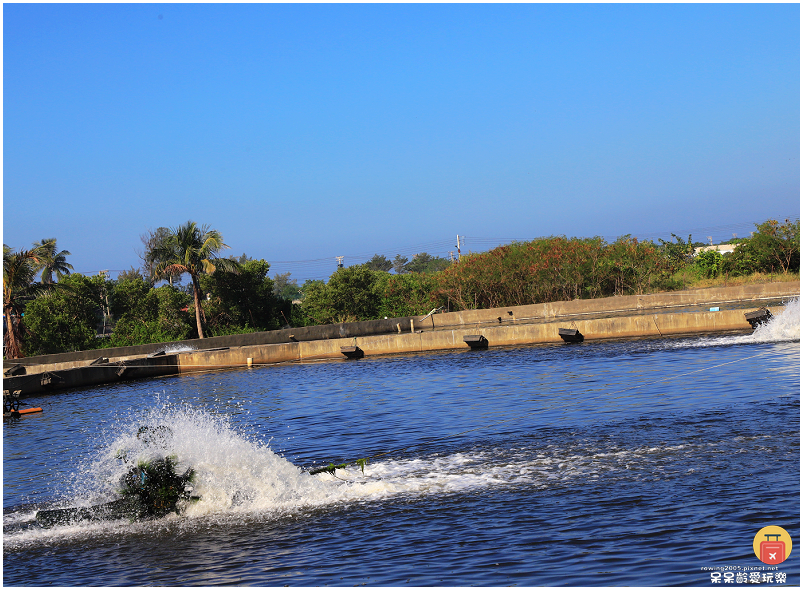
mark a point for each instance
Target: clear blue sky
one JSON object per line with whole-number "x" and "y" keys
{"x": 303, "y": 132}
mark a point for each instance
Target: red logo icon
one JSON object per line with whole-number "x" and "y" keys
{"x": 772, "y": 545}
{"x": 772, "y": 552}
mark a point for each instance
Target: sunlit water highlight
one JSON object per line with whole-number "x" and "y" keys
{"x": 533, "y": 466}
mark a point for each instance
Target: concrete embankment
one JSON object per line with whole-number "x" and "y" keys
{"x": 669, "y": 302}
{"x": 614, "y": 317}
{"x": 655, "y": 325}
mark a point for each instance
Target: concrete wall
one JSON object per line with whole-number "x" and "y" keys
{"x": 529, "y": 324}
{"x": 622, "y": 304}
{"x": 655, "y": 325}
{"x": 513, "y": 315}
{"x": 329, "y": 331}
{"x": 262, "y": 354}
{"x": 506, "y": 334}
{"x": 51, "y": 381}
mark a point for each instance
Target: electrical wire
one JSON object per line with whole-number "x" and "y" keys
{"x": 322, "y": 268}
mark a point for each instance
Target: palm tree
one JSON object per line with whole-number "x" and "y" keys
{"x": 192, "y": 250}
{"x": 53, "y": 261}
{"x": 19, "y": 270}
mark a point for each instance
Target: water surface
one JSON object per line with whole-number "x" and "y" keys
{"x": 617, "y": 463}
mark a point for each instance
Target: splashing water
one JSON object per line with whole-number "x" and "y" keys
{"x": 782, "y": 327}
{"x": 233, "y": 470}
{"x": 176, "y": 348}
{"x": 239, "y": 476}
{"x": 235, "y": 474}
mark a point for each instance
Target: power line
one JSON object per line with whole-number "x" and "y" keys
{"x": 718, "y": 232}
{"x": 322, "y": 268}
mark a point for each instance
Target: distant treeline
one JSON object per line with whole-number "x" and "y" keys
{"x": 548, "y": 269}
{"x": 235, "y": 295}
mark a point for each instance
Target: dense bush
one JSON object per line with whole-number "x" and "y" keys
{"x": 709, "y": 262}
{"x": 425, "y": 263}
{"x": 547, "y": 269}
{"x": 243, "y": 300}
{"x": 349, "y": 296}
{"x": 67, "y": 317}
{"x": 405, "y": 295}
{"x": 146, "y": 314}
{"x": 775, "y": 247}
{"x": 552, "y": 269}
{"x": 359, "y": 293}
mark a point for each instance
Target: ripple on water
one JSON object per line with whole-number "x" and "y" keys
{"x": 593, "y": 464}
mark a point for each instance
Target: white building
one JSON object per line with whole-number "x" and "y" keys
{"x": 721, "y": 248}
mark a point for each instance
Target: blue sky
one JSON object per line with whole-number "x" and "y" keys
{"x": 303, "y": 132}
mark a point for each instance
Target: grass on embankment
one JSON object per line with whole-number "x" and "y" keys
{"x": 690, "y": 278}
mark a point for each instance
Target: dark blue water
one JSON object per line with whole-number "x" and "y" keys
{"x": 623, "y": 463}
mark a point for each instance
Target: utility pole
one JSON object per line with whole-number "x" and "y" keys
{"x": 451, "y": 256}
{"x": 339, "y": 263}
{"x": 107, "y": 310}
{"x": 458, "y": 246}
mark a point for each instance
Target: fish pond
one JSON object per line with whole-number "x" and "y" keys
{"x": 644, "y": 463}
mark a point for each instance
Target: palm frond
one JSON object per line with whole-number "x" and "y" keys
{"x": 19, "y": 271}
{"x": 50, "y": 260}
{"x": 193, "y": 250}
{"x": 227, "y": 265}
{"x": 172, "y": 269}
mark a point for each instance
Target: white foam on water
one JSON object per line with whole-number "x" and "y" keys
{"x": 239, "y": 476}
{"x": 782, "y": 327}
{"x": 177, "y": 348}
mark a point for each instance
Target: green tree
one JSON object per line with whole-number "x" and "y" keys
{"x": 781, "y": 244}
{"x": 286, "y": 288}
{"x": 379, "y": 262}
{"x": 19, "y": 271}
{"x": 128, "y": 296}
{"x": 157, "y": 251}
{"x": 399, "y": 264}
{"x": 348, "y": 296}
{"x": 241, "y": 259}
{"x": 241, "y": 300}
{"x": 709, "y": 262}
{"x": 145, "y": 314}
{"x": 65, "y": 319}
{"x": 424, "y": 262}
{"x": 679, "y": 253}
{"x": 744, "y": 260}
{"x": 174, "y": 319}
{"x": 774, "y": 247}
{"x": 405, "y": 295}
{"x": 52, "y": 261}
{"x": 130, "y": 275}
{"x": 192, "y": 250}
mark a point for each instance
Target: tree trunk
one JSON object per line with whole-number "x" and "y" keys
{"x": 196, "y": 289}
{"x": 10, "y": 340}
